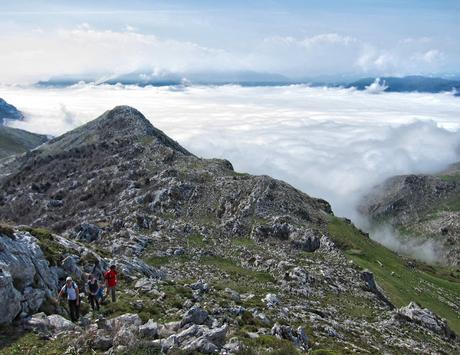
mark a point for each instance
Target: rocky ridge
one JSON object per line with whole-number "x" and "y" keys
{"x": 424, "y": 207}
{"x": 211, "y": 260}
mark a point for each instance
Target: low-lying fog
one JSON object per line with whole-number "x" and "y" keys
{"x": 329, "y": 142}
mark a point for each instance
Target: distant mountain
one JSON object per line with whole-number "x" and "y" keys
{"x": 8, "y": 111}
{"x": 15, "y": 141}
{"x": 410, "y": 84}
{"x": 140, "y": 78}
{"x": 413, "y": 83}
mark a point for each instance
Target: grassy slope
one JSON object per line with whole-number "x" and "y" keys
{"x": 14, "y": 141}
{"x": 422, "y": 284}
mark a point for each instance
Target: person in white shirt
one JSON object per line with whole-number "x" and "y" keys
{"x": 70, "y": 289}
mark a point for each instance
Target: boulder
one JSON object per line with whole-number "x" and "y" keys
{"x": 88, "y": 232}
{"x": 32, "y": 299}
{"x": 298, "y": 274}
{"x": 146, "y": 285}
{"x": 10, "y": 298}
{"x": 195, "y": 315}
{"x": 70, "y": 266}
{"x": 262, "y": 317}
{"x": 424, "y": 317}
{"x": 216, "y": 335}
{"x": 296, "y": 336}
{"x": 305, "y": 240}
{"x": 271, "y": 300}
{"x": 201, "y": 345}
{"x": 192, "y": 331}
{"x": 149, "y": 329}
{"x": 125, "y": 320}
{"x": 200, "y": 286}
{"x": 233, "y": 346}
{"x": 102, "y": 342}
{"x": 60, "y": 324}
{"x": 40, "y": 322}
{"x": 233, "y": 294}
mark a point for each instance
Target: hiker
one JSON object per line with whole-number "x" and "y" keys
{"x": 93, "y": 289}
{"x": 70, "y": 289}
{"x": 111, "y": 281}
{"x": 97, "y": 270}
{"x": 100, "y": 295}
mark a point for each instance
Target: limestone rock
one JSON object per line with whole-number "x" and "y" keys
{"x": 195, "y": 315}
{"x": 425, "y": 318}
{"x": 11, "y": 298}
{"x": 149, "y": 329}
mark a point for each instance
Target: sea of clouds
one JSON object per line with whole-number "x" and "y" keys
{"x": 331, "y": 143}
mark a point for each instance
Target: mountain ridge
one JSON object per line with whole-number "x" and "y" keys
{"x": 424, "y": 206}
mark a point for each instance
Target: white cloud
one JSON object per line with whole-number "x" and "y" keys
{"x": 29, "y": 57}
{"x": 377, "y": 87}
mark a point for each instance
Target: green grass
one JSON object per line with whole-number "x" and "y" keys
{"x": 125, "y": 304}
{"x": 16, "y": 342}
{"x": 232, "y": 268}
{"x": 158, "y": 261}
{"x": 195, "y": 241}
{"x": 451, "y": 204}
{"x": 420, "y": 284}
{"x": 146, "y": 140}
{"x": 245, "y": 242}
{"x": 451, "y": 177}
{"x": 6, "y": 230}
{"x": 261, "y": 345}
{"x": 324, "y": 352}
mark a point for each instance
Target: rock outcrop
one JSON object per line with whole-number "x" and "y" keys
{"x": 26, "y": 280}
{"x": 425, "y": 318}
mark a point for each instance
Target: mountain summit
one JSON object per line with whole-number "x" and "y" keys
{"x": 121, "y": 125}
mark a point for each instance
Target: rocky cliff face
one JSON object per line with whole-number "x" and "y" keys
{"x": 26, "y": 279}
{"x": 212, "y": 260}
{"x": 422, "y": 206}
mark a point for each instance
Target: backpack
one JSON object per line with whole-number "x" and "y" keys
{"x": 74, "y": 286}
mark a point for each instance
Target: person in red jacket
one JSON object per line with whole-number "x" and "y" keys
{"x": 111, "y": 281}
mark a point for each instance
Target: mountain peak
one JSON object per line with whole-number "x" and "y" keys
{"x": 122, "y": 118}
{"x": 120, "y": 124}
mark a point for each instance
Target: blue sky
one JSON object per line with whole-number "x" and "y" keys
{"x": 297, "y": 39}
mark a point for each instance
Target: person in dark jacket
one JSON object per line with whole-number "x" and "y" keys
{"x": 93, "y": 289}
